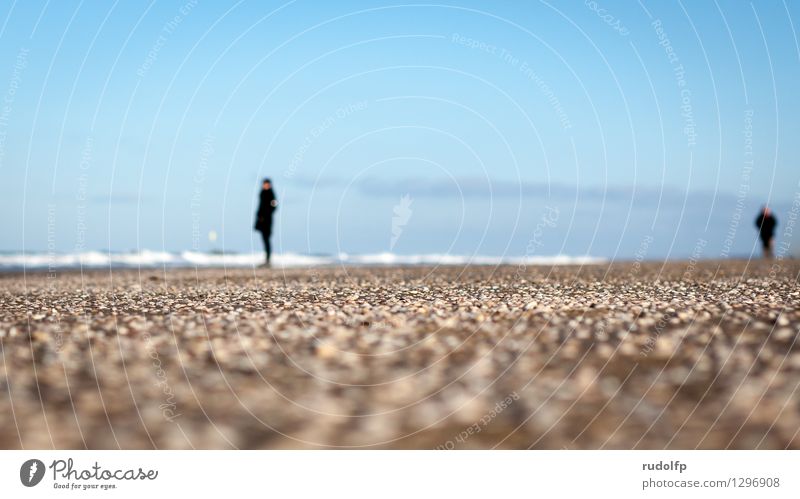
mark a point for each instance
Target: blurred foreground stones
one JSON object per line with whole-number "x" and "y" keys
{"x": 610, "y": 356}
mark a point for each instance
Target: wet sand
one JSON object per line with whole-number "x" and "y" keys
{"x": 621, "y": 356}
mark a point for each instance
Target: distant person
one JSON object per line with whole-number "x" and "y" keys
{"x": 766, "y": 223}
{"x": 266, "y": 206}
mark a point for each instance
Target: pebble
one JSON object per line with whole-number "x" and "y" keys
{"x": 404, "y": 357}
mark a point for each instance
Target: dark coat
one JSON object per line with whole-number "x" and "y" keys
{"x": 268, "y": 203}
{"x": 766, "y": 225}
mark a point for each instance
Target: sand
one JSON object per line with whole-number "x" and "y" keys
{"x": 651, "y": 356}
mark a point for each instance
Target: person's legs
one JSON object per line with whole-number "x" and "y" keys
{"x": 767, "y": 242}
{"x": 265, "y": 235}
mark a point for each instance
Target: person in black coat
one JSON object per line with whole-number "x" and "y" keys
{"x": 266, "y": 206}
{"x": 766, "y": 223}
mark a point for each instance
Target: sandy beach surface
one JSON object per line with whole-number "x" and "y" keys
{"x": 682, "y": 355}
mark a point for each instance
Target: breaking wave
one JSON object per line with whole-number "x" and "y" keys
{"x": 147, "y": 258}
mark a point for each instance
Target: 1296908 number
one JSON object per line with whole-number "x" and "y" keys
{"x": 758, "y": 482}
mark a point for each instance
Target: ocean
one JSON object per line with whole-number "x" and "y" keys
{"x": 189, "y": 259}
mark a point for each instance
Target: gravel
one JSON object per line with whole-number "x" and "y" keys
{"x": 679, "y": 355}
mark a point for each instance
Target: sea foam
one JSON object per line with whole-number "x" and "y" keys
{"x": 148, "y": 258}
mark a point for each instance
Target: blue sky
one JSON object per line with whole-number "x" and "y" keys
{"x": 652, "y": 128}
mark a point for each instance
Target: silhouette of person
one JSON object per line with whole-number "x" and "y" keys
{"x": 766, "y": 223}
{"x": 268, "y": 203}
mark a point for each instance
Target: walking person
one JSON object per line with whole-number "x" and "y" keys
{"x": 268, "y": 203}
{"x": 766, "y": 223}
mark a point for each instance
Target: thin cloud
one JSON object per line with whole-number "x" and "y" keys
{"x": 472, "y": 187}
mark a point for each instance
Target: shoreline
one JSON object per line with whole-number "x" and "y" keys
{"x": 599, "y": 262}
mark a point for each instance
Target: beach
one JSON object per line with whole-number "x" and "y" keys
{"x": 684, "y": 355}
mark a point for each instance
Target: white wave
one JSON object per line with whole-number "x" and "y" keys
{"x": 147, "y": 258}
{"x": 445, "y": 259}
